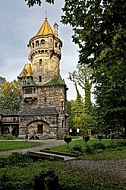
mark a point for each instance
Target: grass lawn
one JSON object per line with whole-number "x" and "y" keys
{"x": 13, "y": 145}
{"x": 20, "y": 174}
{"x": 108, "y": 153}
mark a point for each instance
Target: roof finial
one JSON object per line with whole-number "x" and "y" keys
{"x": 46, "y": 15}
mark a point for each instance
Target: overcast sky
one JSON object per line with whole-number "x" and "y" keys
{"x": 18, "y": 24}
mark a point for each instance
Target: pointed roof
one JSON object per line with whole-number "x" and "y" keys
{"x": 27, "y": 71}
{"x": 45, "y": 29}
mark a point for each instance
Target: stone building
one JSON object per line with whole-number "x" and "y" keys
{"x": 43, "y": 92}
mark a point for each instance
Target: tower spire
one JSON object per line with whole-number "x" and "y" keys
{"x": 46, "y": 15}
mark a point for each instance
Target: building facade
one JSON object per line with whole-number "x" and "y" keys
{"x": 43, "y": 92}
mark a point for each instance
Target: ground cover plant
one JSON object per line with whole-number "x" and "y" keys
{"x": 19, "y": 171}
{"x": 95, "y": 149}
{"x": 13, "y": 145}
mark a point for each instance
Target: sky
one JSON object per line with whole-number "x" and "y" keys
{"x": 18, "y": 24}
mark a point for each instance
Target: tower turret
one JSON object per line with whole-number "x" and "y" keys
{"x": 45, "y": 53}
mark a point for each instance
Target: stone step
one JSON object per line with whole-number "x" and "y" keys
{"x": 46, "y": 155}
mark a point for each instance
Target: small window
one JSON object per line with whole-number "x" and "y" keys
{"x": 62, "y": 104}
{"x": 28, "y": 90}
{"x": 37, "y": 43}
{"x": 42, "y": 41}
{"x": 40, "y": 128}
{"x": 62, "y": 123}
{"x": 40, "y": 79}
{"x": 33, "y": 44}
{"x": 40, "y": 61}
{"x": 55, "y": 44}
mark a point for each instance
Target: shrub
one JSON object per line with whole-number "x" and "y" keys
{"x": 100, "y": 137}
{"x": 121, "y": 143}
{"x": 67, "y": 139}
{"x": 88, "y": 150}
{"x": 97, "y": 146}
{"x": 77, "y": 149}
{"x": 87, "y": 138}
{"x": 15, "y": 159}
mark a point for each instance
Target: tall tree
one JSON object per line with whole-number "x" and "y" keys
{"x": 82, "y": 77}
{"x": 100, "y": 31}
{"x": 9, "y": 97}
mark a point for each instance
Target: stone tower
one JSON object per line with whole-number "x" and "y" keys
{"x": 42, "y": 90}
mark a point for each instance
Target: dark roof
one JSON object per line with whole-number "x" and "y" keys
{"x": 40, "y": 111}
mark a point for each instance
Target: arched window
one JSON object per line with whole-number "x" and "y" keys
{"x": 40, "y": 61}
{"x": 37, "y": 43}
{"x": 55, "y": 44}
{"x": 42, "y": 41}
{"x": 33, "y": 44}
{"x": 40, "y": 79}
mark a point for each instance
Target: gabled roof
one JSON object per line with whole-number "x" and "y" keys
{"x": 27, "y": 71}
{"x": 45, "y": 29}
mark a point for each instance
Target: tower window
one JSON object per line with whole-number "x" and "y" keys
{"x": 40, "y": 61}
{"x": 33, "y": 44}
{"x": 55, "y": 44}
{"x": 40, "y": 79}
{"x": 62, "y": 123}
{"x": 42, "y": 41}
{"x": 37, "y": 43}
{"x": 62, "y": 104}
{"x": 28, "y": 90}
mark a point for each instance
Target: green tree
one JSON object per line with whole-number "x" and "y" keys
{"x": 9, "y": 96}
{"x": 100, "y": 31}
{"x": 2, "y": 81}
{"x": 39, "y": 2}
{"x": 82, "y": 77}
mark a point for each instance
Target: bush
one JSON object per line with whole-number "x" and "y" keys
{"x": 15, "y": 159}
{"x": 87, "y": 138}
{"x": 97, "y": 146}
{"x": 121, "y": 143}
{"x": 67, "y": 139}
{"x": 77, "y": 149}
{"x": 100, "y": 137}
{"x": 88, "y": 150}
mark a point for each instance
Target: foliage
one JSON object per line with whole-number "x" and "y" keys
{"x": 96, "y": 146}
{"x": 82, "y": 77}
{"x": 67, "y": 139}
{"x": 99, "y": 30}
{"x": 77, "y": 149}
{"x": 86, "y": 139}
{"x": 14, "y": 159}
{"x": 39, "y": 2}
{"x": 71, "y": 177}
{"x": 2, "y": 82}
{"x": 9, "y": 96}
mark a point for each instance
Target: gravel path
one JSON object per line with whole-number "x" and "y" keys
{"x": 116, "y": 168}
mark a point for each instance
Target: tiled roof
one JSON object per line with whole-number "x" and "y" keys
{"x": 45, "y": 29}
{"x": 40, "y": 111}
